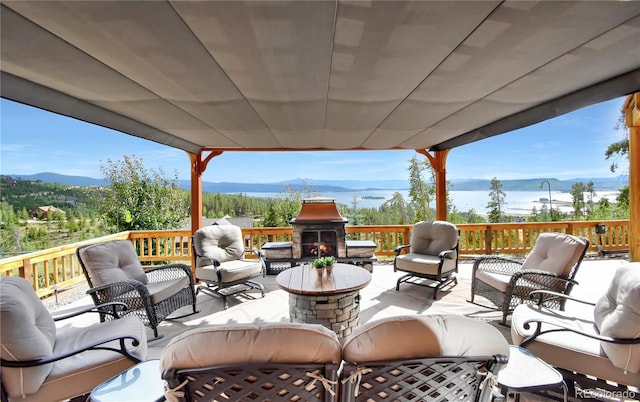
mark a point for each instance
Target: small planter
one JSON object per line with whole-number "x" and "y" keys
{"x": 329, "y": 262}
{"x": 319, "y": 264}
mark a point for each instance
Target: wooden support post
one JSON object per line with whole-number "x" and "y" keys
{"x": 632, "y": 119}
{"x": 198, "y": 166}
{"x": 196, "y": 192}
{"x": 438, "y": 162}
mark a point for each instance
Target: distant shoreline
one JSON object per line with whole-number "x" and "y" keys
{"x": 349, "y": 186}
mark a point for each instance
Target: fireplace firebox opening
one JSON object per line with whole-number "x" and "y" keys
{"x": 319, "y": 243}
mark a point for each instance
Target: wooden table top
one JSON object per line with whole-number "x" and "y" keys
{"x": 304, "y": 279}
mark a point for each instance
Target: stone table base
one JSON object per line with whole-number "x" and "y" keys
{"x": 338, "y": 312}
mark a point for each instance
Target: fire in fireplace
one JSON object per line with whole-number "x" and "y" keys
{"x": 319, "y": 230}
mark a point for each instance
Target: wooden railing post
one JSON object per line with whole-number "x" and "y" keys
{"x": 27, "y": 270}
{"x": 488, "y": 239}
{"x": 406, "y": 238}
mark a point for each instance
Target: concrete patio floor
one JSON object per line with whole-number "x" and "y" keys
{"x": 379, "y": 299}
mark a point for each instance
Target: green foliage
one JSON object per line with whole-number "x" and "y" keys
{"x": 27, "y": 195}
{"x": 287, "y": 205}
{"x": 217, "y": 205}
{"x": 623, "y": 197}
{"x": 496, "y": 201}
{"x": 322, "y": 262}
{"x": 353, "y": 213}
{"x": 396, "y": 211}
{"x": 577, "y": 196}
{"x": 141, "y": 199}
{"x": 20, "y": 234}
{"x": 421, "y": 192}
{"x": 319, "y": 262}
{"x": 620, "y": 150}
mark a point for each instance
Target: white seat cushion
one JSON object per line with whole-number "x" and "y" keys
{"x": 252, "y": 343}
{"x": 566, "y": 349}
{"x": 28, "y": 332}
{"x": 112, "y": 261}
{"x": 219, "y": 242}
{"x": 415, "y": 336}
{"x": 230, "y": 271}
{"x": 617, "y": 314}
{"x": 423, "y": 264}
{"x": 555, "y": 252}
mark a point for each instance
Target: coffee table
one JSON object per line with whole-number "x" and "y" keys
{"x": 139, "y": 383}
{"x": 332, "y": 300}
{"x": 525, "y": 372}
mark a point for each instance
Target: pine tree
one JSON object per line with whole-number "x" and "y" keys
{"x": 496, "y": 201}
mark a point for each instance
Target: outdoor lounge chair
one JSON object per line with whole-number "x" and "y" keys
{"x": 422, "y": 358}
{"x": 597, "y": 346}
{"x": 552, "y": 265}
{"x": 433, "y": 255}
{"x": 220, "y": 262}
{"x": 242, "y": 362}
{"x": 39, "y": 362}
{"x": 115, "y": 274}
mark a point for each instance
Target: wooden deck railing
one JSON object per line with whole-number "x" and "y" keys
{"x": 58, "y": 268}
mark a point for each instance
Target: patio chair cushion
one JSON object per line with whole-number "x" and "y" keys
{"x": 252, "y": 343}
{"x": 617, "y": 315}
{"x": 219, "y": 242}
{"x": 424, "y": 264}
{"x": 230, "y": 271}
{"x": 28, "y": 332}
{"x": 551, "y": 255}
{"x": 158, "y": 291}
{"x": 502, "y": 282}
{"x": 85, "y": 368}
{"x": 432, "y": 237}
{"x": 112, "y": 261}
{"x": 571, "y": 351}
{"x": 405, "y": 337}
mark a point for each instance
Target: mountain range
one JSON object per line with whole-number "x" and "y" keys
{"x": 600, "y": 184}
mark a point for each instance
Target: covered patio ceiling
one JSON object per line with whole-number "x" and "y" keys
{"x": 296, "y": 75}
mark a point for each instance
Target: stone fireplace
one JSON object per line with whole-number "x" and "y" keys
{"x": 318, "y": 230}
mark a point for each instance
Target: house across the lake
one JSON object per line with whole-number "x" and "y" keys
{"x": 45, "y": 212}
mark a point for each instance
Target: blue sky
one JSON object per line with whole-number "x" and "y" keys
{"x": 569, "y": 146}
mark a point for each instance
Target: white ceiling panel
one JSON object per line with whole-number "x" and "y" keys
{"x": 292, "y": 75}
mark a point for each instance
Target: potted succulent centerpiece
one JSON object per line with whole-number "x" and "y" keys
{"x": 319, "y": 264}
{"x": 329, "y": 261}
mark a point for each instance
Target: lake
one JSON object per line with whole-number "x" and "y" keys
{"x": 517, "y": 202}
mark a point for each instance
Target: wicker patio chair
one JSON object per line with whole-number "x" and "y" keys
{"x": 551, "y": 265}
{"x": 433, "y": 255}
{"x": 39, "y": 362}
{"x": 115, "y": 274}
{"x": 596, "y": 346}
{"x": 422, "y": 358}
{"x": 245, "y": 362}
